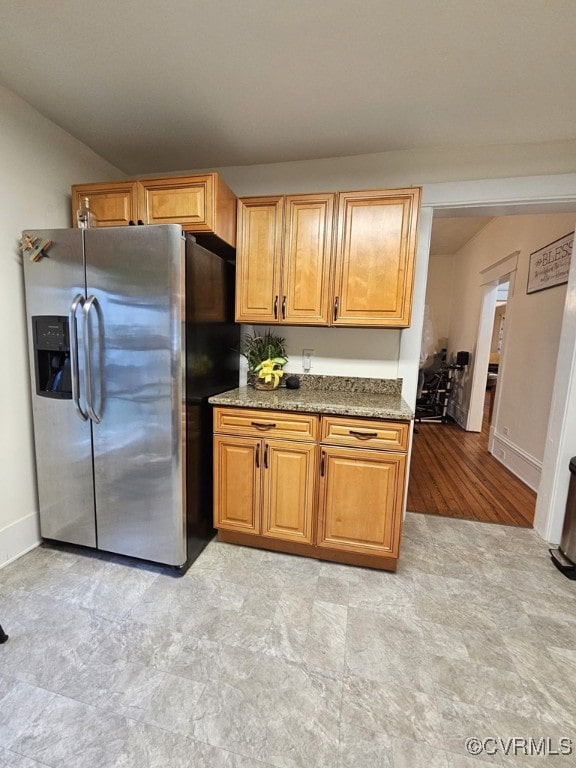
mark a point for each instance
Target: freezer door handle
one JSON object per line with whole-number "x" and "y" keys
{"x": 90, "y": 303}
{"x": 77, "y": 301}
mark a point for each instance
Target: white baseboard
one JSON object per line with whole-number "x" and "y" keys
{"x": 522, "y": 464}
{"x": 18, "y": 538}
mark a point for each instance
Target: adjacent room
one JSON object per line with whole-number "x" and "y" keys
{"x": 502, "y": 461}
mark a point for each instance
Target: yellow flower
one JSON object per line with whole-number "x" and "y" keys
{"x": 271, "y": 370}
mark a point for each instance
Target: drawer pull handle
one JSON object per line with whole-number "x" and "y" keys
{"x": 363, "y": 435}
{"x": 262, "y": 425}
{"x": 258, "y": 456}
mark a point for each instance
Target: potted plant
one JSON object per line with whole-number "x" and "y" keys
{"x": 266, "y": 356}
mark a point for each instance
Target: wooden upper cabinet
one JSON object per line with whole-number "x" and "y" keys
{"x": 284, "y": 259}
{"x": 113, "y": 204}
{"x": 201, "y": 204}
{"x": 375, "y": 257}
{"x": 306, "y": 264}
{"x": 260, "y": 224}
{"x": 198, "y": 203}
{"x": 288, "y": 245}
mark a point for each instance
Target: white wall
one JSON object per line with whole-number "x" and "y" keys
{"x": 439, "y": 292}
{"x": 367, "y": 352}
{"x": 533, "y": 326}
{"x": 402, "y": 168}
{"x": 39, "y": 162}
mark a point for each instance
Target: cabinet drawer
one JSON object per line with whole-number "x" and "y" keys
{"x": 245, "y": 421}
{"x": 367, "y": 433}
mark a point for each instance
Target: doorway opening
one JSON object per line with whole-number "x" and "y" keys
{"x": 496, "y": 345}
{"x": 452, "y": 471}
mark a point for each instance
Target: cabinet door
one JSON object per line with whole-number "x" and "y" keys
{"x": 237, "y": 481}
{"x": 185, "y": 200}
{"x": 375, "y": 257}
{"x": 113, "y": 204}
{"x": 289, "y": 471}
{"x": 258, "y": 259}
{"x": 361, "y": 496}
{"x": 307, "y": 259}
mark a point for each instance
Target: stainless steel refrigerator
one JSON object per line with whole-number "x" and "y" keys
{"x": 130, "y": 331}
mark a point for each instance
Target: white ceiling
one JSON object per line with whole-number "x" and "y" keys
{"x": 182, "y": 84}
{"x": 450, "y": 234}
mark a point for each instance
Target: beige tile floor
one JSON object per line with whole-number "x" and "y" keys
{"x": 260, "y": 659}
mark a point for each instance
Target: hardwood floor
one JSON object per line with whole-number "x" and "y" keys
{"x": 453, "y": 475}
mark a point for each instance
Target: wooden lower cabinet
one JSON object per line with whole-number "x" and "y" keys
{"x": 237, "y": 483}
{"x": 289, "y": 474}
{"x": 265, "y": 487}
{"x": 361, "y": 497}
{"x": 330, "y": 501}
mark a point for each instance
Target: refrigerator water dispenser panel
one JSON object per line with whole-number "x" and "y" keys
{"x": 52, "y": 356}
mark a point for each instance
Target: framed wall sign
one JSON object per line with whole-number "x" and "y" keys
{"x": 549, "y": 266}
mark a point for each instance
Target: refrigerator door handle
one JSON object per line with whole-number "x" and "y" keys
{"x": 96, "y": 418}
{"x": 77, "y": 301}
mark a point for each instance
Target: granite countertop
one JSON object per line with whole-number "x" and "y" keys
{"x": 345, "y": 396}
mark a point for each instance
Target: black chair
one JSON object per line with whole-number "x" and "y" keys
{"x": 3, "y": 635}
